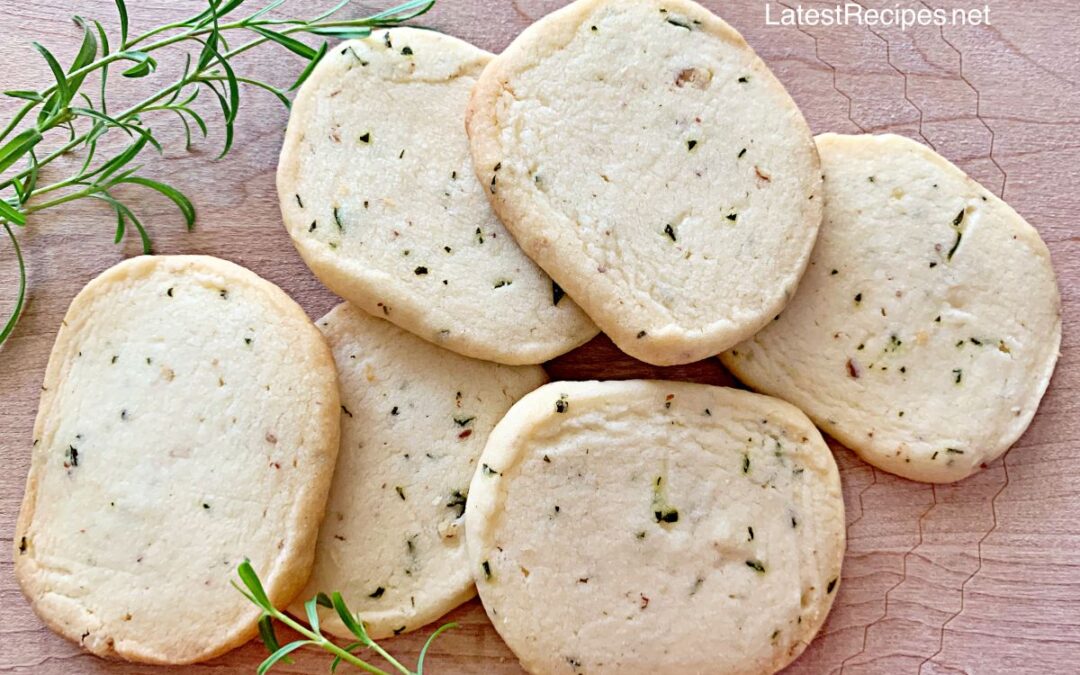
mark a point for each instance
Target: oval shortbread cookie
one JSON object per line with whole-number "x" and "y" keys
{"x": 189, "y": 419}
{"x": 651, "y": 163}
{"x": 928, "y": 324}
{"x": 379, "y": 195}
{"x": 646, "y": 527}
{"x": 414, "y": 422}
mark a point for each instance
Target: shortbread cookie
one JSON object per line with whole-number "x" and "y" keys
{"x": 651, "y": 163}
{"x": 189, "y": 419}
{"x": 648, "y": 527}
{"x": 928, "y": 324}
{"x": 378, "y": 192}
{"x": 414, "y": 422}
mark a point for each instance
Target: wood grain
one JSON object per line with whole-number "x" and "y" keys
{"x": 981, "y": 576}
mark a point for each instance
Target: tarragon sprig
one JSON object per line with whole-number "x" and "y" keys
{"x": 62, "y": 118}
{"x": 313, "y": 635}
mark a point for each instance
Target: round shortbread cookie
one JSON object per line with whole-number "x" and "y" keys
{"x": 414, "y": 422}
{"x": 189, "y": 419}
{"x": 378, "y": 192}
{"x": 646, "y": 527}
{"x": 651, "y": 163}
{"x": 927, "y": 327}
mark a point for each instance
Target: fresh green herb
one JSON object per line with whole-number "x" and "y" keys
{"x": 70, "y": 121}
{"x": 313, "y": 635}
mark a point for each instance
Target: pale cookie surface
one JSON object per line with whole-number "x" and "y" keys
{"x": 647, "y": 527}
{"x": 188, "y": 420}
{"x": 378, "y": 192}
{"x": 927, "y": 327}
{"x": 414, "y": 422}
{"x": 651, "y": 163}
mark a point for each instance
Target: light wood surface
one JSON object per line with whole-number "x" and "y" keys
{"x": 978, "y": 577}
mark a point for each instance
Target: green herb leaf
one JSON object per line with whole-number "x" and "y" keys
{"x": 266, "y": 632}
{"x": 355, "y": 627}
{"x": 427, "y": 645}
{"x": 281, "y": 654}
{"x": 292, "y": 44}
{"x": 25, "y": 95}
{"x": 177, "y": 197}
{"x": 20, "y": 299}
{"x": 63, "y": 91}
{"x": 121, "y": 9}
{"x": 310, "y": 67}
{"x": 251, "y": 580}
{"x": 311, "y": 608}
{"x": 144, "y": 64}
{"x": 18, "y": 146}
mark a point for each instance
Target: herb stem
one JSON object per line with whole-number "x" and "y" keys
{"x": 336, "y": 650}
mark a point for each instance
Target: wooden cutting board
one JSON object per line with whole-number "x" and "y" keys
{"x": 982, "y": 576}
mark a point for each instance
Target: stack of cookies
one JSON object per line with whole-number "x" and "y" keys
{"x": 625, "y": 166}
